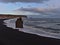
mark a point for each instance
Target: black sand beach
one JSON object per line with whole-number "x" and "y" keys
{"x": 9, "y": 36}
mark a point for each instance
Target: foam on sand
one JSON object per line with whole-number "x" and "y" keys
{"x": 31, "y": 30}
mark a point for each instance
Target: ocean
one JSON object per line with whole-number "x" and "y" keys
{"x": 49, "y": 27}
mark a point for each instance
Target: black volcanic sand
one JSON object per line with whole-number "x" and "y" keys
{"x": 9, "y": 36}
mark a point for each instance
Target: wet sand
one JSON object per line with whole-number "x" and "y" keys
{"x": 9, "y": 36}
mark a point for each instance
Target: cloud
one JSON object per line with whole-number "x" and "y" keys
{"x": 35, "y": 1}
{"x": 36, "y": 10}
{"x": 21, "y": 12}
{"x": 53, "y": 11}
{"x": 44, "y": 11}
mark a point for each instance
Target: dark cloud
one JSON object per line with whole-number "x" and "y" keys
{"x": 55, "y": 11}
{"x": 30, "y": 10}
{"x": 35, "y": 1}
{"x": 41, "y": 11}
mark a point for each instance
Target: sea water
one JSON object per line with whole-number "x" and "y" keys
{"x": 49, "y": 27}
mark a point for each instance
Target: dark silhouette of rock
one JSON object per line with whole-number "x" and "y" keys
{"x": 19, "y": 23}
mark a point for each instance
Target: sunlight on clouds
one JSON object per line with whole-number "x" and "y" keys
{"x": 50, "y": 7}
{"x": 25, "y": 13}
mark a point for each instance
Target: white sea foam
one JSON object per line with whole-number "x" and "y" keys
{"x": 41, "y": 32}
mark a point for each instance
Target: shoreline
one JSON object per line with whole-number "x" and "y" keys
{"x": 10, "y": 36}
{"x": 27, "y": 29}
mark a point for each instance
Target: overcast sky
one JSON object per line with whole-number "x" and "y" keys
{"x": 30, "y": 7}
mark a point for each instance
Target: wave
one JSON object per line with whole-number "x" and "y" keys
{"x": 42, "y": 29}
